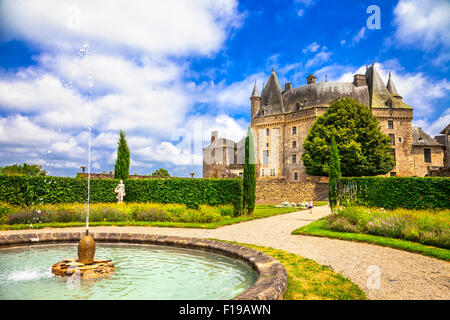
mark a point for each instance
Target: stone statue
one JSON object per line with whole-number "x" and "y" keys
{"x": 120, "y": 190}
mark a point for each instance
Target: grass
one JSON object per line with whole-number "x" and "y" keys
{"x": 316, "y": 229}
{"x": 308, "y": 280}
{"x": 261, "y": 211}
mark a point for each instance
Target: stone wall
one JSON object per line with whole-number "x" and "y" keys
{"x": 421, "y": 167}
{"x": 283, "y": 190}
{"x": 443, "y": 172}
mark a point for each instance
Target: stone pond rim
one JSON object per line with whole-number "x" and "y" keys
{"x": 272, "y": 276}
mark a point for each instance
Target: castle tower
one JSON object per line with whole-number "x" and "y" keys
{"x": 255, "y": 101}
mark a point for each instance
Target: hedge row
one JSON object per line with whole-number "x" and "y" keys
{"x": 26, "y": 190}
{"x": 399, "y": 192}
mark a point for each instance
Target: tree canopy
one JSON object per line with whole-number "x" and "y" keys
{"x": 363, "y": 149}
{"x": 122, "y": 166}
{"x": 25, "y": 169}
{"x": 161, "y": 173}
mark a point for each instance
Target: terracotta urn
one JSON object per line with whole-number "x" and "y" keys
{"x": 86, "y": 250}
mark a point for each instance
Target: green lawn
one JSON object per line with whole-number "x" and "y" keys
{"x": 261, "y": 211}
{"x": 308, "y": 280}
{"x": 316, "y": 229}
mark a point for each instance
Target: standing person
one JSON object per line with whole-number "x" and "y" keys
{"x": 310, "y": 205}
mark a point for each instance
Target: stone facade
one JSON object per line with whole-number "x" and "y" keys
{"x": 282, "y": 190}
{"x": 223, "y": 158}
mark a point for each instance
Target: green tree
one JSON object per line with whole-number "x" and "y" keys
{"x": 249, "y": 183}
{"x": 122, "y": 166}
{"x": 25, "y": 169}
{"x": 161, "y": 173}
{"x": 334, "y": 173}
{"x": 363, "y": 149}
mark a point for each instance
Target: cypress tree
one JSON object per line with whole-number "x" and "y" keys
{"x": 334, "y": 173}
{"x": 249, "y": 183}
{"x": 122, "y": 166}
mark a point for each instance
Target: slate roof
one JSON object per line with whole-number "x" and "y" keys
{"x": 445, "y": 129}
{"x": 374, "y": 94}
{"x": 420, "y": 138}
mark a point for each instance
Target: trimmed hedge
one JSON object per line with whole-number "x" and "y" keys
{"x": 27, "y": 190}
{"x": 400, "y": 192}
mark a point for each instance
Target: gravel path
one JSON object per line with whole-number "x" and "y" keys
{"x": 382, "y": 272}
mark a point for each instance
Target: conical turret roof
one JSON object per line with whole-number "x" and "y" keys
{"x": 271, "y": 95}
{"x": 390, "y": 86}
{"x": 378, "y": 93}
{"x": 255, "y": 92}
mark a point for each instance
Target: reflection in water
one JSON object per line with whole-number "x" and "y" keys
{"x": 141, "y": 272}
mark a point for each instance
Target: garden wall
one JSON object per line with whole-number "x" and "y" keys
{"x": 284, "y": 190}
{"x": 26, "y": 190}
{"x": 399, "y": 192}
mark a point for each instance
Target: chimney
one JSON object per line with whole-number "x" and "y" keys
{"x": 287, "y": 86}
{"x": 311, "y": 79}
{"x": 214, "y": 136}
{"x": 359, "y": 80}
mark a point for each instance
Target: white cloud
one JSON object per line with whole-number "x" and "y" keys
{"x": 159, "y": 27}
{"x": 359, "y": 36}
{"x": 313, "y": 47}
{"x": 424, "y": 24}
{"x": 132, "y": 66}
{"x": 318, "y": 59}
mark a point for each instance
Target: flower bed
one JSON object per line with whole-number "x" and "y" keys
{"x": 112, "y": 212}
{"x": 426, "y": 227}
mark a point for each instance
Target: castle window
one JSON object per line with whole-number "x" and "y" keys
{"x": 294, "y": 130}
{"x": 390, "y": 124}
{"x": 392, "y": 136}
{"x": 267, "y": 145}
{"x": 296, "y": 176}
{"x": 393, "y": 154}
{"x": 399, "y": 139}
{"x": 294, "y": 144}
{"x": 393, "y": 174}
{"x": 427, "y": 155}
{"x": 267, "y": 131}
{"x": 272, "y": 172}
{"x": 265, "y": 156}
{"x": 294, "y": 158}
{"x": 262, "y": 172}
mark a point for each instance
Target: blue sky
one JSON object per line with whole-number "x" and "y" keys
{"x": 168, "y": 73}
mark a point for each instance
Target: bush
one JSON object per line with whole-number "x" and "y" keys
{"x": 27, "y": 191}
{"x": 398, "y": 192}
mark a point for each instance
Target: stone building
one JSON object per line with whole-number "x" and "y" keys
{"x": 444, "y": 139}
{"x": 428, "y": 154}
{"x": 281, "y": 118}
{"x": 223, "y": 158}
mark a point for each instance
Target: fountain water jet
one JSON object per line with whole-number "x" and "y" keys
{"x": 85, "y": 266}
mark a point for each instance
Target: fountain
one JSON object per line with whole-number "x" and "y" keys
{"x": 85, "y": 265}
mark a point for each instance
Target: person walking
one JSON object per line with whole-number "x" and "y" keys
{"x": 310, "y": 206}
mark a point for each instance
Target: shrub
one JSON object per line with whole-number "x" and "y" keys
{"x": 400, "y": 192}
{"x": 27, "y": 191}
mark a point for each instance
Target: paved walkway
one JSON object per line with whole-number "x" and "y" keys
{"x": 402, "y": 275}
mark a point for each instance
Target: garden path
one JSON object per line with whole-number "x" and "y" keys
{"x": 401, "y": 274}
